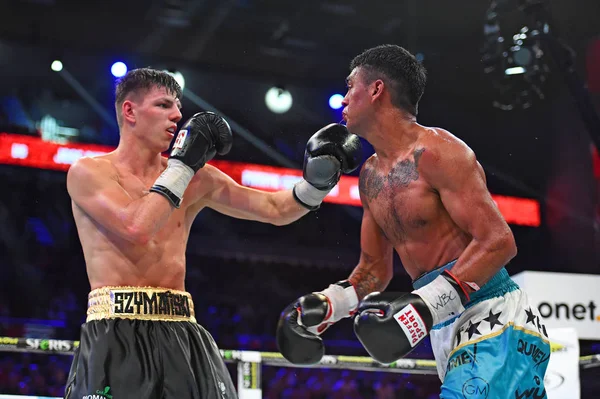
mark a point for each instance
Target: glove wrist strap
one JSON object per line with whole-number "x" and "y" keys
{"x": 444, "y": 297}
{"x": 342, "y": 300}
{"x": 173, "y": 181}
{"x": 309, "y": 196}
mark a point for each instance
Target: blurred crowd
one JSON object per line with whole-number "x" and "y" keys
{"x": 240, "y": 312}
{"x": 33, "y": 374}
{"x": 44, "y": 375}
{"x": 238, "y": 298}
{"x": 237, "y": 295}
{"x": 344, "y": 384}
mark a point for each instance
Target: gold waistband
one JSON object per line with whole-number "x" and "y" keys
{"x": 141, "y": 303}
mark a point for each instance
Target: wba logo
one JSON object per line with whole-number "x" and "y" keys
{"x": 413, "y": 326}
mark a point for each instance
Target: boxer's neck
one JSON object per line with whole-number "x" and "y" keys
{"x": 394, "y": 136}
{"x": 139, "y": 160}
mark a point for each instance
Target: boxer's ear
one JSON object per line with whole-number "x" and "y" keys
{"x": 128, "y": 112}
{"x": 377, "y": 88}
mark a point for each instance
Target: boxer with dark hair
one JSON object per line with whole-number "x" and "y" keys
{"x": 424, "y": 196}
{"x": 134, "y": 209}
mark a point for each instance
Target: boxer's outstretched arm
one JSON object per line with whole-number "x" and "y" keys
{"x": 375, "y": 267}
{"x": 453, "y": 171}
{"x": 221, "y": 193}
{"x": 94, "y": 188}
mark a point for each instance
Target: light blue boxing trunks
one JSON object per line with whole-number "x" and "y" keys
{"x": 497, "y": 348}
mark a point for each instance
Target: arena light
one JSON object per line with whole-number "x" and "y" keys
{"x": 118, "y": 69}
{"x": 278, "y": 100}
{"x": 517, "y": 68}
{"x": 335, "y": 101}
{"x": 179, "y": 79}
{"x": 178, "y": 76}
{"x": 514, "y": 71}
{"x": 56, "y": 66}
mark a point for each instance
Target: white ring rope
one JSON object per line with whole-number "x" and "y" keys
{"x": 250, "y": 362}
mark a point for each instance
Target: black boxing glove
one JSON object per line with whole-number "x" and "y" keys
{"x": 389, "y": 325}
{"x": 329, "y": 152}
{"x": 301, "y": 322}
{"x": 202, "y": 137}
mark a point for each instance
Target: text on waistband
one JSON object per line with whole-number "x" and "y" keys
{"x": 157, "y": 303}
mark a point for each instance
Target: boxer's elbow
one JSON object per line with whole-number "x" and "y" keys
{"x": 283, "y": 209}
{"x": 511, "y": 246}
{"x": 137, "y": 234}
{"x": 283, "y": 220}
{"x": 135, "y": 230}
{"x": 504, "y": 243}
{"x": 277, "y": 218}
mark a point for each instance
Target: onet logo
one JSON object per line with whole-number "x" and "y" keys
{"x": 100, "y": 394}
{"x": 567, "y": 311}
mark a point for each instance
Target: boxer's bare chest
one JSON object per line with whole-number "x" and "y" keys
{"x": 402, "y": 203}
{"x": 135, "y": 186}
{"x": 138, "y": 187}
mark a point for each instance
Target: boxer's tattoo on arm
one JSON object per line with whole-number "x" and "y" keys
{"x": 364, "y": 280}
{"x": 368, "y": 258}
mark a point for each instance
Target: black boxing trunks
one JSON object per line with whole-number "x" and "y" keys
{"x": 142, "y": 342}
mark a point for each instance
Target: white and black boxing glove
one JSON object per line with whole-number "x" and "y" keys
{"x": 389, "y": 325}
{"x": 331, "y": 151}
{"x": 301, "y": 322}
{"x": 202, "y": 137}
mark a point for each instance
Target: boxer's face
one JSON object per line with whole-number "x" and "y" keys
{"x": 357, "y": 104}
{"x": 157, "y": 113}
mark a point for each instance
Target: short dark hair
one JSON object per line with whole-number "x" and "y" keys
{"x": 399, "y": 69}
{"x": 141, "y": 80}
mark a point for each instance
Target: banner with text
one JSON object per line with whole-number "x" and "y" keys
{"x": 565, "y": 300}
{"x": 33, "y": 152}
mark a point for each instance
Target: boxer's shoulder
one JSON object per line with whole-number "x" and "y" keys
{"x": 372, "y": 160}
{"x": 89, "y": 167}
{"x": 439, "y": 142}
{"x": 95, "y": 162}
{"x": 439, "y": 149}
